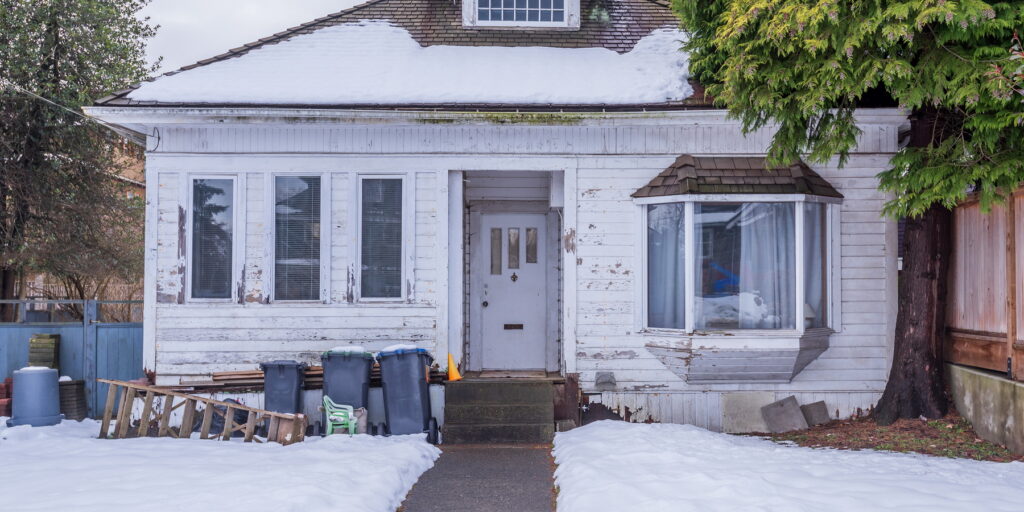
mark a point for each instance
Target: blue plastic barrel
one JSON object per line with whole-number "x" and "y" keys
{"x": 36, "y": 397}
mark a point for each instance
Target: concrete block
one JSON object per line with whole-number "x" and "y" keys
{"x": 816, "y": 413}
{"x": 992, "y": 403}
{"x": 564, "y": 425}
{"x": 784, "y": 416}
{"x": 741, "y": 411}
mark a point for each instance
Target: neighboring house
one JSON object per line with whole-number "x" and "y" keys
{"x": 534, "y": 187}
{"x": 985, "y": 312}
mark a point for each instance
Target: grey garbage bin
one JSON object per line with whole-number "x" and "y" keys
{"x": 404, "y": 374}
{"x": 347, "y": 376}
{"x": 282, "y": 385}
{"x": 36, "y": 397}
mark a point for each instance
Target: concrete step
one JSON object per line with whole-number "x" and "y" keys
{"x": 499, "y": 392}
{"x": 507, "y": 414}
{"x": 530, "y": 433}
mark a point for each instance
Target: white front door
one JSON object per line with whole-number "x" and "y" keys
{"x": 509, "y": 287}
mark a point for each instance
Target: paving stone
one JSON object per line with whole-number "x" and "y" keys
{"x": 784, "y": 416}
{"x": 816, "y": 413}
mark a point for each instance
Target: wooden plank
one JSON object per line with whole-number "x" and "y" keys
{"x": 229, "y": 423}
{"x": 165, "y": 416}
{"x": 1015, "y": 366}
{"x": 979, "y": 350}
{"x": 250, "y": 427}
{"x": 147, "y": 409}
{"x": 272, "y": 430}
{"x": 124, "y": 416}
{"x": 187, "y": 418}
{"x": 204, "y": 431}
{"x": 108, "y": 410}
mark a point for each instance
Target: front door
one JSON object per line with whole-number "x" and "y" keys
{"x": 509, "y": 291}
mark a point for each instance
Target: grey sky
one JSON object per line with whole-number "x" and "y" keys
{"x": 192, "y": 30}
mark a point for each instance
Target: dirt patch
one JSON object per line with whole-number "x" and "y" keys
{"x": 951, "y": 436}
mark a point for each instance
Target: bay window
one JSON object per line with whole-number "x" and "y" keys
{"x": 715, "y": 264}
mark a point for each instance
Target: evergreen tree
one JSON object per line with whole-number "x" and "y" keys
{"x": 806, "y": 65}
{"x": 62, "y": 211}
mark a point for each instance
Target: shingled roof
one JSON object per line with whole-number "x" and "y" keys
{"x": 439, "y": 22}
{"x": 735, "y": 175}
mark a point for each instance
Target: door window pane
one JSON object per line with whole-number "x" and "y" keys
{"x": 745, "y": 266}
{"x": 513, "y": 248}
{"x": 665, "y": 265}
{"x": 495, "y": 251}
{"x": 815, "y": 313}
{"x": 297, "y": 238}
{"x": 381, "y": 254}
{"x": 212, "y": 225}
{"x": 531, "y": 245}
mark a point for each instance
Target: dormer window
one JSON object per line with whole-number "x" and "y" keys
{"x": 521, "y": 13}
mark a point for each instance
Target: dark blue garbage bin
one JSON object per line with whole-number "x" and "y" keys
{"x": 282, "y": 385}
{"x": 347, "y": 376}
{"x": 404, "y": 376}
{"x": 36, "y": 398}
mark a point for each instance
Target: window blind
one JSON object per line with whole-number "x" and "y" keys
{"x": 381, "y": 238}
{"x": 297, "y": 238}
{"x": 212, "y": 226}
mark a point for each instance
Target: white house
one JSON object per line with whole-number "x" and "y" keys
{"x": 529, "y": 186}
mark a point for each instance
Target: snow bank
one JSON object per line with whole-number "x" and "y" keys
{"x": 374, "y": 62}
{"x": 65, "y": 468}
{"x": 613, "y": 465}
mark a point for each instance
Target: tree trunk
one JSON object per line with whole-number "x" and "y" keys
{"x": 916, "y": 384}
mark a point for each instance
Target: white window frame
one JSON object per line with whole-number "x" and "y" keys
{"x": 470, "y": 10}
{"x": 237, "y": 233}
{"x": 270, "y": 198}
{"x": 408, "y": 236}
{"x": 690, "y": 249}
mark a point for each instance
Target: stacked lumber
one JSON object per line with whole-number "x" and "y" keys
{"x": 253, "y": 380}
{"x": 44, "y": 350}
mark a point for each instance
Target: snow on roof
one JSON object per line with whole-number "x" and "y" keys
{"x": 375, "y": 62}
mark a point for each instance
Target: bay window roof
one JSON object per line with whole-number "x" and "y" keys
{"x": 735, "y": 175}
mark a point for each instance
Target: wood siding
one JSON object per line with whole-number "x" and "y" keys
{"x": 985, "y": 294}
{"x": 977, "y": 287}
{"x": 602, "y": 163}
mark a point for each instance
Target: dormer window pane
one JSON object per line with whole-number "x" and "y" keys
{"x": 523, "y": 13}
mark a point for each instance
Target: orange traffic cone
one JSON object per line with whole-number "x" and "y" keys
{"x": 453, "y": 371}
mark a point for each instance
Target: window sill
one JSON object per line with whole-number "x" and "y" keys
{"x": 738, "y": 356}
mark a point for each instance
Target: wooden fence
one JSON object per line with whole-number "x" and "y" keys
{"x": 986, "y": 297}
{"x": 91, "y": 348}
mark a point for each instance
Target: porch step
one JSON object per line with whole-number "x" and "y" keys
{"x": 499, "y": 411}
{"x": 499, "y": 392}
{"x": 510, "y": 414}
{"x": 528, "y": 433}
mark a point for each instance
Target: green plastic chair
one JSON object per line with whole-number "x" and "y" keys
{"x": 339, "y": 416}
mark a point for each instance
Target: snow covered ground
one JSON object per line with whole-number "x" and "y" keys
{"x": 612, "y": 465}
{"x": 65, "y": 467}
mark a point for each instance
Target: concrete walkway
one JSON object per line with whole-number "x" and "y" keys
{"x": 486, "y": 478}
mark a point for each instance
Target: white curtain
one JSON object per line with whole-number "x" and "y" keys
{"x": 767, "y": 266}
{"x": 815, "y": 312}
{"x": 665, "y": 264}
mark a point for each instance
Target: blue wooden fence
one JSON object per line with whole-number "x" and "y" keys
{"x": 89, "y": 348}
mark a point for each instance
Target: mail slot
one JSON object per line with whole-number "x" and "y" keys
{"x": 513, "y": 327}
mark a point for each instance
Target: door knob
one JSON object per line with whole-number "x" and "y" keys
{"x": 485, "y": 304}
